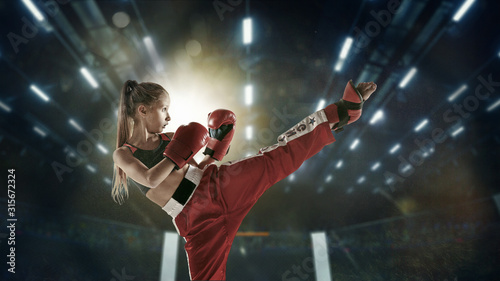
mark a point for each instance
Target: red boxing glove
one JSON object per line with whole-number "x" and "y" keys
{"x": 187, "y": 141}
{"x": 347, "y": 110}
{"x": 221, "y": 124}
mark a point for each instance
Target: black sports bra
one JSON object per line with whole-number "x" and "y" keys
{"x": 149, "y": 157}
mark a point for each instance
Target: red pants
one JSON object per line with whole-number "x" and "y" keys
{"x": 210, "y": 219}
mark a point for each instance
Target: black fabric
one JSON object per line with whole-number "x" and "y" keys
{"x": 343, "y": 116}
{"x": 208, "y": 151}
{"x": 342, "y": 107}
{"x": 150, "y": 158}
{"x": 352, "y": 105}
{"x": 220, "y": 132}
{"x": 184, "y": 191}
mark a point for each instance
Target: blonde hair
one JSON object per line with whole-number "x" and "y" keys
{"x": 132, "y": 95}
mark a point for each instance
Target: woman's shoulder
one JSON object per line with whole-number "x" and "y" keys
{"x": 170, "y": 135}
{"x": 120, "y": 151}
{"x": 123, "y": 151}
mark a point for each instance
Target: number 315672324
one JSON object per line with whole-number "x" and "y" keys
{"x": 11, "y": 181}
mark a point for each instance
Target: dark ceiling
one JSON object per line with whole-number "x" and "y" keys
{"x": 290, "y": 63}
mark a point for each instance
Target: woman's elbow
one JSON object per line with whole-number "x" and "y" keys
{"x": 153, "y": 181}
{"x": 155, "y": 176}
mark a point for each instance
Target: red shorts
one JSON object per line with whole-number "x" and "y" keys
{"x": 223, "y": 195}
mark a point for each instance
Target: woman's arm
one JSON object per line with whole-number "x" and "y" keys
{"x": 206, "y": 161}
{"x": 193, "y": 162}
{"x": 186, "y": 142}
{"x": 136, "y": 170}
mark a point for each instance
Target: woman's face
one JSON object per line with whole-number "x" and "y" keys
{"x": 158, "y": 117}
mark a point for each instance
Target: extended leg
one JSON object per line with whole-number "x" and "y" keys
{"x": 244, "y": 181}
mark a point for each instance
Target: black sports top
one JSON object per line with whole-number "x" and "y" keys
{"x": 149, "y": 157}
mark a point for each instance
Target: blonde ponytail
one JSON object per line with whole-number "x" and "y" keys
{"x": 131, "y": 95}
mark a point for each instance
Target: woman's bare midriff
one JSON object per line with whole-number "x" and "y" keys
{"x": 164, "y": 191}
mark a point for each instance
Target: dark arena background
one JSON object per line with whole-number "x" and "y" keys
{"x": 409, "y": 192}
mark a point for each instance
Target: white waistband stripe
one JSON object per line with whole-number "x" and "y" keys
{"x": 173, "y": 208}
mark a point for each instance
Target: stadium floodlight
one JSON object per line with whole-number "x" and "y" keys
{"x": 153, "y": 53}
{"x": 457, "y": 93}
{"x": 408, "y": 77}
{"x": 247, "y": 31}
{"x": 361, "y": 179}
{"x": 107, "y": 180}
{"x": 321, "y": 104}
{"x": 345, "y": 49}
{"x": 291, "y": 177}
{"x": 389, "y": 181}
{"x": 34, "y": 10}
{"x": 339, "y": 65}
{"x": 421, "y": 125}
{"x": 102, "y": 148}
{"x": 377, "y": 117}
{"x": 457, "y": 131}
{"x": 395, "y": 148}
{"x": 493, "y": 106}
{"x": 89, "y": 77}
{"x": 91, "y": 168}
{"x": 249, "y": 132}
{"x": 248, "y": 95}
{"x": 339, "y": 164}
{"x": 343, "y": 53}
{"x": 462, "y": 10}
{"x": 39, "y": 93}
{"x": 354, "y": 144}
{"x": 406, "y": 168}
{"x": 328, "y": 178}
{"x": 5, "y": 107}
{"x": 39, "y": 131}
{"x": 375, "y": 166}
{"x": 75, "y": 125}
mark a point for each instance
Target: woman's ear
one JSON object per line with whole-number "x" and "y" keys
{"x": 141, "y": 110}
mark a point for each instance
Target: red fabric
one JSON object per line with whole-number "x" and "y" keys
{"x": 132, "y": 148}
{"x": 332, "y": 113}
{"x": 351, "y": 94}
{"x": 354, "y": 115}
{"x": 210, "y": 220}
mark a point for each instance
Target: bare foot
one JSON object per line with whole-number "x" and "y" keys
{"x": 366, "y": 89}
